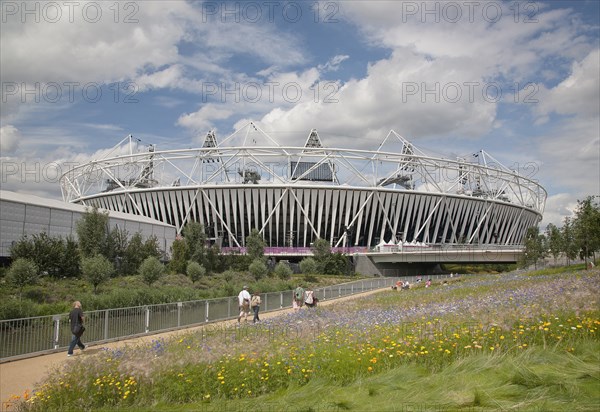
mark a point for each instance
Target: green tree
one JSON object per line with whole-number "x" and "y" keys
{"x": 115, "y": 247}
{"x": 258, "y": 269}
{"x": 134, "y": 255}
{"x": 72, "y": 260}
{"x": 195, "y": 271}
{"x": 22, "y": 248}
{"x": 151, "y": 270}
{"x": 321, "y": 249}
{"x": 554, "y": 241}
{"x": 283, "y": 270}
{"x": 179, "y": 256}
{"x": 22, "y": 272}
{"x": 214, "y": 260}
{"x": 321, "y": 252}
{"x": 255, "y": 245}
{"x": 48, "y": 253}
{"x": 151, "y": 248}
{"x": 194, "y": 234}
{"x": 568, "y": 240}
{"x": 309, "y": 266}
{"x": 96, "y": 269}
{"x": 534, "y": 247}
{"x": 587, "y": 227}
{"x": 336, "y": 264}
{"x": 92, "y": 232}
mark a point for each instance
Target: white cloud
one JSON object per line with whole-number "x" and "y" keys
{"x": 578, "y": 94}
{"x": 394, "y": 95}
{"x": 9, "y": 139}
{"x": 334, "y": 63}
{"x": 202, "y": 120}
{"x": 558, "y": 206}
{"x": 491, "y": 38}
{"x": 71, "y": 51}
{"x": 148, "y": 50}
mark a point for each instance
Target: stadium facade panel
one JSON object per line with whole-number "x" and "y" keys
{"x": 294, "y": 195}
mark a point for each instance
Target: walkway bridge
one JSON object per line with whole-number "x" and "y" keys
{"x": 411, "y": 259}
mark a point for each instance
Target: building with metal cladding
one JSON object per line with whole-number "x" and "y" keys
{"x": 22, "y": 215}
{"x": 393, "y": 195}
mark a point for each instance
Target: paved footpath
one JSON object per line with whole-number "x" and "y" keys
{"x": 21, "y": 376}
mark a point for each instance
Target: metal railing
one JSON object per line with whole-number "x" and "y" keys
{"x": 26, "y": 337}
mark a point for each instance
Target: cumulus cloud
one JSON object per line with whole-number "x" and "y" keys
{"x": 578, "y": 94}
{"x": 558, "y": 206}
{"x": 9, "y": 139}
{"x": 141, "y": 42}
{"x": 203, "y": 119}
{"x": 406, "y": 92}
{"x": 334, "y": 63}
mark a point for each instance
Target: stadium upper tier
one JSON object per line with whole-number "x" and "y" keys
{"x": 296, "y": 194}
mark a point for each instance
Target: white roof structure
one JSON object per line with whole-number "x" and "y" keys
{"x": 296, "y": 194}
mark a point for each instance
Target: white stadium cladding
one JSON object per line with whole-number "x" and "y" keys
{"x": 356, "y": 199}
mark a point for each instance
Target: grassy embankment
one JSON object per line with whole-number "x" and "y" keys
{"x": 52, "y": 296}
{"x": 493, "y": 342}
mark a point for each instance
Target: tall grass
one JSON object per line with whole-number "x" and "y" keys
{"x": 488, "y": 343}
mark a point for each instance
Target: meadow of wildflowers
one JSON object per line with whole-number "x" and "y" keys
{"x": 536, "y": 334}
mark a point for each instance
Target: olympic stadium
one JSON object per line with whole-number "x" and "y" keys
{"x": 393, "y": 200}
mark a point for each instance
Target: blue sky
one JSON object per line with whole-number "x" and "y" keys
{"x": 517, "y": 79}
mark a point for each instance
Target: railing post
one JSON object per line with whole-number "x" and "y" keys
{"x": 281, "y": 300}
{"x": 206, "y": 315}
{"x": 56, "y": 319}
{"x": 229, "y": 307}
{"x": 147, "y": 319}
{"x": 339, "y": 291}
{"x": 352, "y": 289}
{"x": 106, "y": 324}
{"x": 266, "y": 301}
{"x": 179, "y": 305}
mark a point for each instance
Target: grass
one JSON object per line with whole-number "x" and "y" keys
{"x": 53, "y": 296}
{"x": 544, "y": 380}
{"x": 510, "y": 342}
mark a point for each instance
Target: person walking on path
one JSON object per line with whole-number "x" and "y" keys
{"x": 244, "y": 304}
{"x": 298, "y": 299}
{"x": 255, "y": 304}
{"x": 77, "y": 328}
{"x": 310, "y": 299}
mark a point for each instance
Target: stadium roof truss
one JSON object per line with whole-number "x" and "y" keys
{"x": 295, "y": 194}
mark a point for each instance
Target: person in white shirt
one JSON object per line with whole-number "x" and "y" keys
{"x": 244, "y": 304}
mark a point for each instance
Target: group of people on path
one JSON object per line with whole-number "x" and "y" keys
{"x": 405, "y": 285}
{"x": 245, "y": 302}
{"x": 303, "y": 297}
{"x": 300, "y": 297}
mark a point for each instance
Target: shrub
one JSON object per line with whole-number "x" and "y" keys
{"x": 171, "y": 280}
{"x": 195, "y": 271}
{"x": 151, "y": 270}
{"x": 15, "y": 309}
{"x": 308, "y": 266}
{"x": 23, "y": 272}
{"x": 257, "y": 268}
{"x": 179, "y": 253}
{"x": 283, "y": 271}
{"x": 96, "y": 269}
